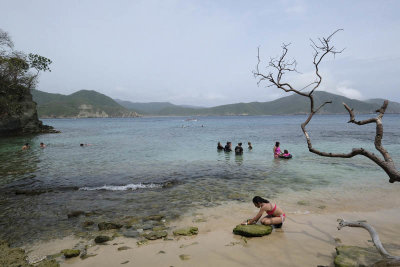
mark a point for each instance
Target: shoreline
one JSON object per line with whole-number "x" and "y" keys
{"x": 308, "y": 237}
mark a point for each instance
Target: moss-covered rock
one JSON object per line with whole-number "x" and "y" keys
{"x": 349, "y": 256}
{"x": 101, "y": 239}
{"x": 188, "y": 231}
{"x": 12, "y": 257}
{"x": 155, "y": 235}
{"x": 108, "y": 226}
{"x": 253, "y": 230}
{"x": 70, "y": 253}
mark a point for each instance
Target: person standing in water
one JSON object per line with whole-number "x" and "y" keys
{"x": 250, "y": 146}
{"x": 228, "y": 147}
{"x": 277, "y": 150}
{"x": 275, "y": 215}
{"x": 219, "y": 146}
{"x": 239, "y": 149}
{"x": 42, "y": 145}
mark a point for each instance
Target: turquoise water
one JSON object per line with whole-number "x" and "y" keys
{"x": 143, "y": 166}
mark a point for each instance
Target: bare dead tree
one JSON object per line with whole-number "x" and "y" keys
{"x": 280, "y": 66}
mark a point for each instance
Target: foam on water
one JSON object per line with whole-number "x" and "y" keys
{"x": 121, "y": 187}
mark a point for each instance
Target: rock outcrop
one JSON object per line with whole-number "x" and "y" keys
{"x": 18, "y": 113}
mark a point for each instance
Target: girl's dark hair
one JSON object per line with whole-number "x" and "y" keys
{"x": 258, "y": 199}
{"x": 285, "y": 151}
{"x": 277, "y": 144}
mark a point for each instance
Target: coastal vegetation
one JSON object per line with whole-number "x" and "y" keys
{"x": 19, "y": 74}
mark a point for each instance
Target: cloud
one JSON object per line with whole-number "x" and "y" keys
{"x": 349, "y": 92}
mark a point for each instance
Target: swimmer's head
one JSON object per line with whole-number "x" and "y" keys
{"x": 285, "y": 151}
{"x": 277, "y": 144}
{"x": 81, "y": 144}
{"x": 240, "y": 144}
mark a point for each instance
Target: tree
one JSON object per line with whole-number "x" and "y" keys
{"x": 15, "y": 66}
{"x": 280, "y": 66}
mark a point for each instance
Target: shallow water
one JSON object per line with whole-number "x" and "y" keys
{"x": 142, "y": 166}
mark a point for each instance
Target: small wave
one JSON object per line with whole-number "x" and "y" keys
{"x": 121, "y": 187}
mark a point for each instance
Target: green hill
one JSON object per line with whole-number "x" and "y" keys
{"x": 81, "y": 104}
{"x": 86, "y": 103}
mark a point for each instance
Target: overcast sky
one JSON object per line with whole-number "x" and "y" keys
{"x": 203, "y": 52}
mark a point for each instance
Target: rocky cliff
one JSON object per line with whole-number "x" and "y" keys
{"x": 18, "y": 113}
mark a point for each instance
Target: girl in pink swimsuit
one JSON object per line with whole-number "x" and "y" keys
{"x": 277, "y": 150}
{"x": 275, "y": 215}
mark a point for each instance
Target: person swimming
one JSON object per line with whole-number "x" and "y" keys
{"x": 277, "y": 150}
{"x": 275, "y": 215}
{"x": 286, "y": 154}
{"x": 250, "y": 146}
{"x": 239, "y": 149}
{"x": 42, "y": 145}
{"x": 219, "y": 146}
{"x": 26, "y": 146}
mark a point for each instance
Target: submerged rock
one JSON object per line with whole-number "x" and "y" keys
{"x": 101, "y": 239}
{"x": 75, "y": 213}
{"x": 156, "y": 235}
{"x": 109, "y": 225}
{"x": 123, "y": 248}
{"x": 131, "y": 233}
{"x": 188, "y": 231}
{"x": 48, "y": 263}
{"x": 70, "y": 253}
{"x": 253, "y": 230}
{"x": 87, "y": 223}
{"x": 349, "y": 256}
{"x": 157, "y": 217}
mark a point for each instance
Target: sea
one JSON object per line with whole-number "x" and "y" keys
{"x": 170, "y": 166}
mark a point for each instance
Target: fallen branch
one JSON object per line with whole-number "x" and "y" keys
{"x": 375, "y": 238}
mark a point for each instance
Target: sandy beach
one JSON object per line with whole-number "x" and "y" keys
{"x": 308, "y": 237}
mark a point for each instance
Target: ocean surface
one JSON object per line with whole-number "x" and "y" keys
{"x": 170, "y": 165}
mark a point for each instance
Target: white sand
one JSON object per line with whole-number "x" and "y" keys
{"x": 306, "y": 239}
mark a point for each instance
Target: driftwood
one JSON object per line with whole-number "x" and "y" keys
{"x": 281, "y": 65}
{"x": 388, "y": 259}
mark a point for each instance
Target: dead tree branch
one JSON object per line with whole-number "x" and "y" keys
{"x": 280, "y": 65}
{"x": 374, "y": 235}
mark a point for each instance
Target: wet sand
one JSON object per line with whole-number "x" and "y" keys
{"x": 308, "y": 237}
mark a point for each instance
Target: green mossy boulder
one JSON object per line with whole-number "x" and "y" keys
{"x": 101, "y": 239}
{"x": 70, "y": 253}
{"x": 156, "y": 235}
{"x": 253, "y": 230}
{"x": 188, "y": 231}
{"x": 12, "y": 257}
{"x": 349, "y": 256}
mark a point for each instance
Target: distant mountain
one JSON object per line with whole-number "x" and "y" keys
{"x": 86, "y": 103}
{"x": 81, "y": 104}
{"x": 145, "y": 108}
{"x": 292, "y": 104}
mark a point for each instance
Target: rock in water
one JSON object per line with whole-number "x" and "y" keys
{"x": 349, "y": 256}
{"x": 252, "y": 230}
{"x": 70, "y": 253}
{"x": 108, "y": 226}
{"x": 188, "y": 231}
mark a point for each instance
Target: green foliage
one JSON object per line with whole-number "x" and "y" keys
{"x": 39, "y": 63}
